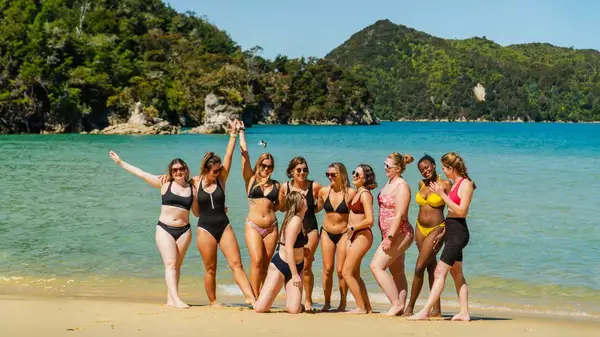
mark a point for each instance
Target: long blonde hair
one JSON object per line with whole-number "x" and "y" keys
{"x": 293, "y": 204}
{"x": 343, "y": 175}
{"x": 455, "y": 161}
{"x": 257, "y": 179}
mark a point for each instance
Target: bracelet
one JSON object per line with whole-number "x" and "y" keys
{"x": 232, "y": 135}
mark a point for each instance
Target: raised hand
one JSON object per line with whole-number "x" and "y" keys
{"x": 232, "y": 126}
{"x": 115, "y": 157}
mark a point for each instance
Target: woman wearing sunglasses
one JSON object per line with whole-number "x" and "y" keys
{"x": 297, "y": 171}
{"x": 334, "y": 200}
{"x": 263, "y": 201}
{"x": 397, "y": 233}
{"x": 360, "y": 235}
{"x": 173, "y": 235}
{"x": 456, "y": 239}
{"x": 214, "y": 228}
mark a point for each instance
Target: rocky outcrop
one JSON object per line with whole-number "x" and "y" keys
{"x": 139, "y": 123}
{"x": 362, "y": 116}
{"x": 216, "y": 113}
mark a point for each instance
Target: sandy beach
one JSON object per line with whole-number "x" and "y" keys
{"x": 44, "y": 316}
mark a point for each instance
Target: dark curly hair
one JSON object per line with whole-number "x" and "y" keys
{"x": 428, "y": 158}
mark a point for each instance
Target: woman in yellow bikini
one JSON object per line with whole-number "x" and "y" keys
{"x": 430, "y": 230}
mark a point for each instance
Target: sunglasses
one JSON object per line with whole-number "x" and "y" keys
{"x": 331, "y": 175}
{"x": 217, "y": 171}
{"x": 387, "y": 167}
{"x": 178, "y": 169}
{"x": 303, "y": 169}
{"x": 355, "y": 174}
{"x": 266, "y": 167}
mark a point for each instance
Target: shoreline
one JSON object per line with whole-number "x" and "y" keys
{"x": 94, "y": 317}
{"x": 153, "y": 290}
{"x": 402, "y": 120}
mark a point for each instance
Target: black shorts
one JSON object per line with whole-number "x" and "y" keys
{"x": 455, "y": 240}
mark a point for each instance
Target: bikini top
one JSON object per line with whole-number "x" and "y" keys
{"x": 453, "y": 194}
{"x": 256, "y": 192}
{"x": 357, "y": 207}
{"x": 172, "y": 199}
{"x": 433, "y": 199}
{"x": 342, "y": 208}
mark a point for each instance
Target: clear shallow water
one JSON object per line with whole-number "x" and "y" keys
{"x": 69, "y": 212}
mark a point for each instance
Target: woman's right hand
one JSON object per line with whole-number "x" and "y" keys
{"x": 115, "y": 157}
{"x": 232, "y": 126}
{"x": 297, "y": 281}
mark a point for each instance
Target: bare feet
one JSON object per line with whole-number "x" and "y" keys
{"x": 215, "y": 304}
{"x": 326, "y": 307}
{"x": 357, "y": 311}
{"x": 435, "y": 314}
{"x": 341, "y": 307}
{"x": 250, "y": 301}
{"x": 462, "y": 316}
{"x": 308, "y": 306}
{"x": 408, "y": 312}
{"x": 419, "y": 316}
{"x": 394, "y": 310}
{"x": 178, "y": 304}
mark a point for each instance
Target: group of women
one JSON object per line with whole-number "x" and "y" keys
{"x": 282, "y": 256}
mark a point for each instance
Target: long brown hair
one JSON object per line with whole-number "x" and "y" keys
{"x": 210, "y": 159}
{"x": 293, "y": 204}
{"x": 455, "y": 161}
{"x": 257, "y": 180}
{"x": 370, "y": 181}
{"x": 180, "y": 162}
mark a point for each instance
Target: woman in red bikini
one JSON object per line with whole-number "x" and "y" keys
{"x": 359, "y": 235}
{"x": 396, "y": 231}
{"x": 456, "y": 239}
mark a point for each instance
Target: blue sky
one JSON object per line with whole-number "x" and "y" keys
{"x": 315, "y": 27}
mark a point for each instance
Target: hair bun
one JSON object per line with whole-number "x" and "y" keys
{"x": 408, "y": 159}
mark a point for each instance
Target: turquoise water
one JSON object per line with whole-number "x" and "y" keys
{"x": 69, "y": 212}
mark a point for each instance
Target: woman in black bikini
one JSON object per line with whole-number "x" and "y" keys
{"x": 286, "y": 266}
{"x": 298, "y": 171}
{"x": 173, "y": 235}
{"x": 263, "y": 201}
{"x": 333, "y": 240}
{"x": 214, "y": 228}
{"x": 359, "y": 235}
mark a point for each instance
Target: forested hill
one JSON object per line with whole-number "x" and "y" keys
{"x": 75, "y": 65}
{"x": 418, "y": 76}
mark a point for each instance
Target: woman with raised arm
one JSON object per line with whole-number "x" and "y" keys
{"x": 287, "y": 264}
{"x": 430, "y": 231}
{"x": 359, "y": 235}
{"x": 173, "y": 235}
{"x": 335, "y": 224}
{"x": 456, "y": 239}
{"x": 261, "y": 223}
{"x": 396, "y": 232}
{"x": 214, "y": 228}
{"x": 297, "y": 171}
